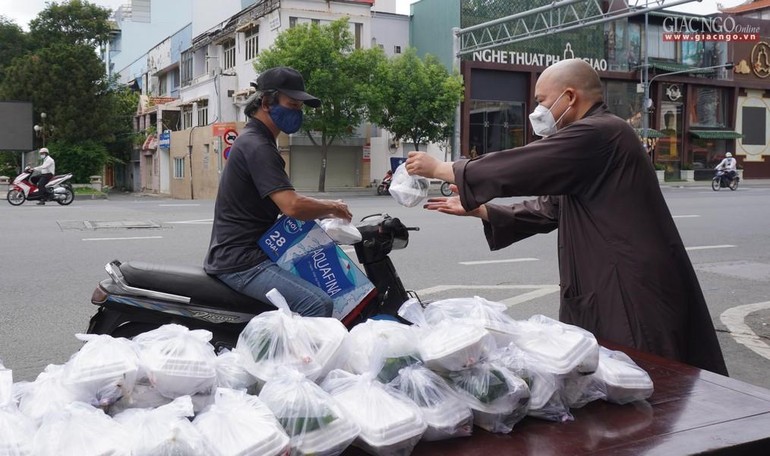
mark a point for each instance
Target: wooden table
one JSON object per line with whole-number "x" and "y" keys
{"x": 691, "y": 412}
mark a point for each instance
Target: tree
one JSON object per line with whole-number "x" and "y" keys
{"x": 74, "y": 22}
{"x": 13, "y": 43}
{"x": 334, "y": 71}
{"x": 418, "y": 99}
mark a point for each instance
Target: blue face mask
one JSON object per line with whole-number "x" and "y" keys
{"x": 286, "y": 119}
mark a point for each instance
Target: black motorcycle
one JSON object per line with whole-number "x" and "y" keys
{"x": 141, "y": 296}
{"x": 384, "y": 187}
{"x": 723, "y": 179}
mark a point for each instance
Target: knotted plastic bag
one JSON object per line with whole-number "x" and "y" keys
{"x": 81, "y": 429}
{"x": 341, "y": 231}
{"x": 408, "y": 190}
{"x": 396, "y": 342}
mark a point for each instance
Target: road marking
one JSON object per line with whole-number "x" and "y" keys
{"x": 194, "y": 222}
{"x": 685, "y": 216}
{"x": 734, "y": 318}
{"x": 537, "y": 291}
{"x": 123, "y": 238}
{"x": 179, "y": 205}
{"x": 709, "y": 247}
{"x": 511, "y": 260}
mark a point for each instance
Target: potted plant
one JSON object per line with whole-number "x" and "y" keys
{"x": 660, "y": 170}
{"x": 686, "y": 173}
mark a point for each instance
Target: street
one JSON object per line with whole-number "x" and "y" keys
{"x": 53, "y": 257}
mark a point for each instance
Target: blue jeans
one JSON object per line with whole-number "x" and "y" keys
{"x": 303, "y": 297}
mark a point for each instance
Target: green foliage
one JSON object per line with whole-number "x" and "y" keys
{"x": 334, "y": 71}
{"x": 418, "y": 98}
{"x": 82, "y": 159}
{"x": 73, "y": 22}
{"x": 659, "y": 166}
{"x": 10, "y": 164}
{"x": 13, "y": 43}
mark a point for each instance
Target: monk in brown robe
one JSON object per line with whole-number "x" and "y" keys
{"x": 625, "y": 274}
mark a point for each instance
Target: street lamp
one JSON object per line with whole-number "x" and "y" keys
{"x": 42, "y": 130}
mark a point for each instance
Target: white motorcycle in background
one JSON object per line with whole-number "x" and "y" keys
{"x": 22, "y": 189}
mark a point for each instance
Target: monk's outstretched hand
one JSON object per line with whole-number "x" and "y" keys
{"x": 447, "y": 205}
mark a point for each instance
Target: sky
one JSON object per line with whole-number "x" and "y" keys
{"x": 22, "y": 11}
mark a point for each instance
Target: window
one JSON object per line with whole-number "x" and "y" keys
{"x": 203, "y": 112}
{"x": 251, "y": 38}
{"x": 187, "y": 67}
{"x": 292, "y": 21}
{"x": 753, "y": 127}
{"x": 179, "y": 167}
{"x": 658, "y": 48}
{"x": 228, "y": 54}
{"x": 187, "y": 117}
{"x": 359, "y": 30}
{"x": 163, "y": 84}
{"x": 708, "y": 110}
{"x": 396, "y": 49}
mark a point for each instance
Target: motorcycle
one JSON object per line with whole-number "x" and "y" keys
{"x": 141, "y": 296}
{"x": 722, "y": 180}
{"x": 22, "y": 189}
{"x": 384, "y": 187}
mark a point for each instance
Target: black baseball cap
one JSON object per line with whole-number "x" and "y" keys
{"x": 288, "y": 81}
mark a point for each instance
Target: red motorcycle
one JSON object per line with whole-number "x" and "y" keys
{"x": 23, "y": 189}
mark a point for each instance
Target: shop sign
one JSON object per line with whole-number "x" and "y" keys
{"x": 535, "y": 59}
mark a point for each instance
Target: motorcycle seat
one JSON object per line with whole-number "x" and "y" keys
{"x": 189, "y": 281}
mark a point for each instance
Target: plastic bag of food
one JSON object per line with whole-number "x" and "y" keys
{"x": 102, "y": 371}
{"x": 231, "y": 371}
{"x": 341, "y": 231}
{"x": 408, "y": 190}
{"x": 164, "y": 431}
{"x": 391, "y": 424}
{"x": 446, "y": 415}
{"x": 16, "y": 429}
{"x": 80, "y": 429}
{"x": 329, "y": 342}
{"x": 178, "y": 361}
{"x": 621, "y": 379}
{"x": 396, "y": 342}
{"x": 46, "y": 394}
{"x": 557, "y": 347}
{"x": 311, "y": 417}
{"x": 239, "y": 424}
{"x": 449, "y": 345}
{"x": 546, "y": 399}
{"x": 491, "y": 315}
{"x": 499, "y": 399}
{"x": 143, "y": 396}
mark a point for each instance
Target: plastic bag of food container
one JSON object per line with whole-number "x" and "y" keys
{"x": 81, "y": 429}
{"x": 231, "y": 371}
{"x": 546, "y": 400}
{"x": 103, "y": 370}
{"x": 164, "y": 431}
{"x": 396, "y": 342}
{"x": 46, "y": 394}
{"x": 239, "y": 424}
{"x": 311, "y": 417}
{"x": 499, "y": 399}
{"x": 329, "y": 342}
{"x": 178, "y": 361}
{"x": 491, "y": 315}
{"x": 341, "y": 231}
{"x": 391, "y": 424}
{"x": 446, "y": 415}
{"x": 449, "y": 345}
{"x": 408, "y": 190}
{"x": 620, "y": 378}
{"x": 557, "y": 347}
{"x": 16, "y": 429}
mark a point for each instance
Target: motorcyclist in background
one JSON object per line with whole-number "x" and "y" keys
{"x": 47, "y": 170}
{"x": 729, "y": 165}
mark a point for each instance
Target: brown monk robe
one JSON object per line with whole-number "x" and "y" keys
{"x": 625, "y": 274}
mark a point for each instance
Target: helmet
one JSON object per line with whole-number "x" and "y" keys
{"x": 43, "y": 150}
{"x": 728, "y": 155}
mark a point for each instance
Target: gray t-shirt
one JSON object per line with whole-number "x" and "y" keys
{"x": 244, "y": 210}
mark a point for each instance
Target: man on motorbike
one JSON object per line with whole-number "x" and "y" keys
{"x": 47, "y": 170}
{"x": 728, "y": 165}
{"x": 255, "y": 189}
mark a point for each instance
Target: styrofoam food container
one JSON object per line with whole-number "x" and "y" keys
{"x": 380, "y": 436}
{"x": 330, "y": 334}
{"x": 624, "y": 383}
{"x": 559, "y": 350}
{"x": 261, "y": 441}
{"x": 452, "y": 347}
{"x": 327, "y": 441}
{"x": 176, "y": 377}
{"x": 449, "y": 419}
{"x": 95, "y": 376}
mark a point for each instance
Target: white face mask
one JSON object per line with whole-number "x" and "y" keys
{"x": 543, "y": 123}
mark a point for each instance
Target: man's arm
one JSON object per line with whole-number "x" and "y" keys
{"x": 303, "y": 207}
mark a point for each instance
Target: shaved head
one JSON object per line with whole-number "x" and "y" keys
{"x": 577, "y": 74}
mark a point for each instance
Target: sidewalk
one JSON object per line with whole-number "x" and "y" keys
{"x": 758, "y": 183}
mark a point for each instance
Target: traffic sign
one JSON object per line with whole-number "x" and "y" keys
{"x": 230, "y": 136}
{"x": 226, "y": 152}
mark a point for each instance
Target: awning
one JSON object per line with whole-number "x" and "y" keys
{"x": 650, "y": 133}
{"x": 670, "y": 67}
{"x": 716, "y": 134}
